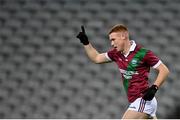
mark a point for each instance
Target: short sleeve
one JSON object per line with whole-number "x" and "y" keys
{"x": 110, "y": 55}
{"x": 151, "y": 59}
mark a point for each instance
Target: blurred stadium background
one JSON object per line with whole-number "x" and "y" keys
{"x": 44, "y": 71}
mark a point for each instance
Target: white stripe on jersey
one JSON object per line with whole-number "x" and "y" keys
{"x": 157, "y": 64}
{"x": 106, "y": 54}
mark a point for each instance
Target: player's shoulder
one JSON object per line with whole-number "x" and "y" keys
{"x": 112, "y": 54}
{"x": 113, "y": 51}
{"x": 147, "y": 52}
{"x": 141, "y": 47}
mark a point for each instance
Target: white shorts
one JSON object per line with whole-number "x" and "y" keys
{"x": 148, "y": 107}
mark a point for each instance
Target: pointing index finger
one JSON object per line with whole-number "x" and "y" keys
{"x": 82, "y": 28}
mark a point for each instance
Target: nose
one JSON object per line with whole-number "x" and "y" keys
{"x": 112, "y": 43}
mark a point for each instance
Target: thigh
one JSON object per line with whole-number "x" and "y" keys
{"x": 130, "y": 114}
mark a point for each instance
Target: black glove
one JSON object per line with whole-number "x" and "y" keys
{"x": 83, "y": 37}
{"x": 150, "y": 93}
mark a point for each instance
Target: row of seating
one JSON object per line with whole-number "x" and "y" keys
{"x": 45, "y": 73}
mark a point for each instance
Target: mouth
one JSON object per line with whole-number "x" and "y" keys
{"x": 115, "y": 47}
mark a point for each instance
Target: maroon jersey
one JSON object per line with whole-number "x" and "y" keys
{"x": 134, "y": 68}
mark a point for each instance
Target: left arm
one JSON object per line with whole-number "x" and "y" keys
{"x": 163, "y": 72}
{"x": 162, "y": 75}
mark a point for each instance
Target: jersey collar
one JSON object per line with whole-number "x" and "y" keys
{"x": 132, "y": 48}
{"x": 133, "y": 45}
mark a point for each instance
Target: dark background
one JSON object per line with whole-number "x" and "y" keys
{"x": 45, "y": 73}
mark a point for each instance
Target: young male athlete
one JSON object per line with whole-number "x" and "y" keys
{"x": 134, "y": 62}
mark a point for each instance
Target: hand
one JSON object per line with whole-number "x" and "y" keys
{"x": 83, "y": 37}
{"x": 150, "y": 93}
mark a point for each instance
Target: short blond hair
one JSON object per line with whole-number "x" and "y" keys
{"x": 118, "y": 28}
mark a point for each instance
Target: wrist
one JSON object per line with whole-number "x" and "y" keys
{"x": 155, "y": 86}
{"x": 85, "y": 43}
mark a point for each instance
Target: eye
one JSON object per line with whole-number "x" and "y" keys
{"x": 112, "y": 39}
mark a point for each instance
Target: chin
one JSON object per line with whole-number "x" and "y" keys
{"x": 119, "y": 50}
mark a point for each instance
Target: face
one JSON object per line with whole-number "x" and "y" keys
{"x": 118, "y": 40}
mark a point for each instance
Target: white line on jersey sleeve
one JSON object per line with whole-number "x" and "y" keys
{"x": 157, "y": 64}
{"x": 106, "y": 54}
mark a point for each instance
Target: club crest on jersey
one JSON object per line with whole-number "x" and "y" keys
{"x": 134, "y": 62}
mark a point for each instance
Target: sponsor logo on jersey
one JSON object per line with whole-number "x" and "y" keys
{"x": 128, "y": 74}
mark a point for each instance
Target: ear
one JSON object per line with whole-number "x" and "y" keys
{"x": 124, "y": 35}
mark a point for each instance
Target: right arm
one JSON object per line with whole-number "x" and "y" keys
{"x": 91, "y": 52}
{"x": 94, "y": 55}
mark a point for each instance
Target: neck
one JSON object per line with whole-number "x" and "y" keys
{"x": 127, "y": 47}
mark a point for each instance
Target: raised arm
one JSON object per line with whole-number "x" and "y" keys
{"x": 92, "y": 53}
